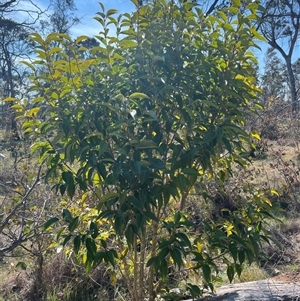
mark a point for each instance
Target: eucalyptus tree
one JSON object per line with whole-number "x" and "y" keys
{"x": 14, "y": 46}
{"x": 61, "y": 18}
{"x": 280, "y": 25}
{"x": 274, "y": 82}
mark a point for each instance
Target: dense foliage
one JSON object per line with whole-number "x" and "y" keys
{"x": 126, "y": 128}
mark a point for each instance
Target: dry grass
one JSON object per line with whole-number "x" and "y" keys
{"x": 269, "y": 171}
{"x": 14, "y": 283}
{"x": 252, "y": 273}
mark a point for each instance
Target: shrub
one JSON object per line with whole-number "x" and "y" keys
{"x": 129, "y": 126}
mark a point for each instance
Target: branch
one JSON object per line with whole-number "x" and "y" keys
{"x": 15, "y": 244}
{"x": 212, "y": 8}
{"x": 7, "y": 4}
{"x": 20, "y": 239}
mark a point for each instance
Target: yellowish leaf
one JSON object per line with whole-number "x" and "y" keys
{"x": 199, "y": 247}
{"x": 274, "y": 192}
{"x": 113, "y": 278}
{"x": 255, "y": 135}
{"x": 266, "y": 200}
{"x": 124, "y": 253}
{"x": 229, "y": 228}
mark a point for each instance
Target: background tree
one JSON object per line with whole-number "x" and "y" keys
{"x": 14, "y": 47}
{"x": 280, "y": 25}
{"x": 62, "y": 17}
{"x": 296, "y": 70}
{"x": 274, "y": 81}
{"x": 274, "y": 85}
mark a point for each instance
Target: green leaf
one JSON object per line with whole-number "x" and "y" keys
{"x": 181, "y": 182}
{"x": 206, "y": 273}
{"x": 138, "y": 95}
{"x": 50, "y": 222}
{"x": 190, "y": 171}
{"x": 227, "y": 144}
{"x": 163, "y": 268}
{"x": 177, "y": 217}
{"x": 230, "y": 273}
{"x": 94, "y": 230}
{"x": 28, "y": 65}
{"x": 238, "y": 269}
{"x": 71, "y": 189}
{"x": 107, "y": 214}
{"x": 91, "y": 247}
{"x": 150, "y": 215}
{"x": 67, "y": 216}
{"x": 37, "y": 38}
{"x": 127, "y": 44}
{"x": 151, "y": 261}
{"x": 77, "y": 242}
{"x": 99, "y": 257}
{"x": 156, "y": 164}
{"x": 103, "y": 243}
{"x": 73, "y": 224}
{"x": 81, "y": 38}
{"x": 105, "y": 198}
{"x": 136, "y": 203}
{"x": 67, "y": 238}
{"x": 250, "y": 256}
{"x": 54, "y": 50}
{"x": 234, "y": 252}
{"x": 21, "y": 265}
{"x": 67, "y": 176}
{"x": 110, "y": 258}
{"x": 176, "y": 256}
{"x": 194, "y": 290}
{"x": 184, "y": 238}
{"x": 241, "y": 255}
{"x": 111, "y": 12}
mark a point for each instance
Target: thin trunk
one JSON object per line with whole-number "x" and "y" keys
{"x": 10, "y": 91}
{"x": 135, "y": 270}
{"x": 293, "y": 91}
{"x": 141, "y": 292}
{"x": 126, "y": 271}
{"x": 152, "y": 292}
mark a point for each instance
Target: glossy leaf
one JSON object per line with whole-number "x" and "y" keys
{"x": 50, "y": 222}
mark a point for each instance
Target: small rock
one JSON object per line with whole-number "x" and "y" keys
{"x": 286, "y": 259}
{"x": 175, "y": 291}
{"x": 275, "y": 272}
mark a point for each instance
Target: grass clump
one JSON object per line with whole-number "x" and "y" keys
{"x": 253, "y": 273}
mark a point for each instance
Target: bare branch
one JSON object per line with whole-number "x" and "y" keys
{"x": 212, "y": 7}
{"x": 20, "y": 239}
